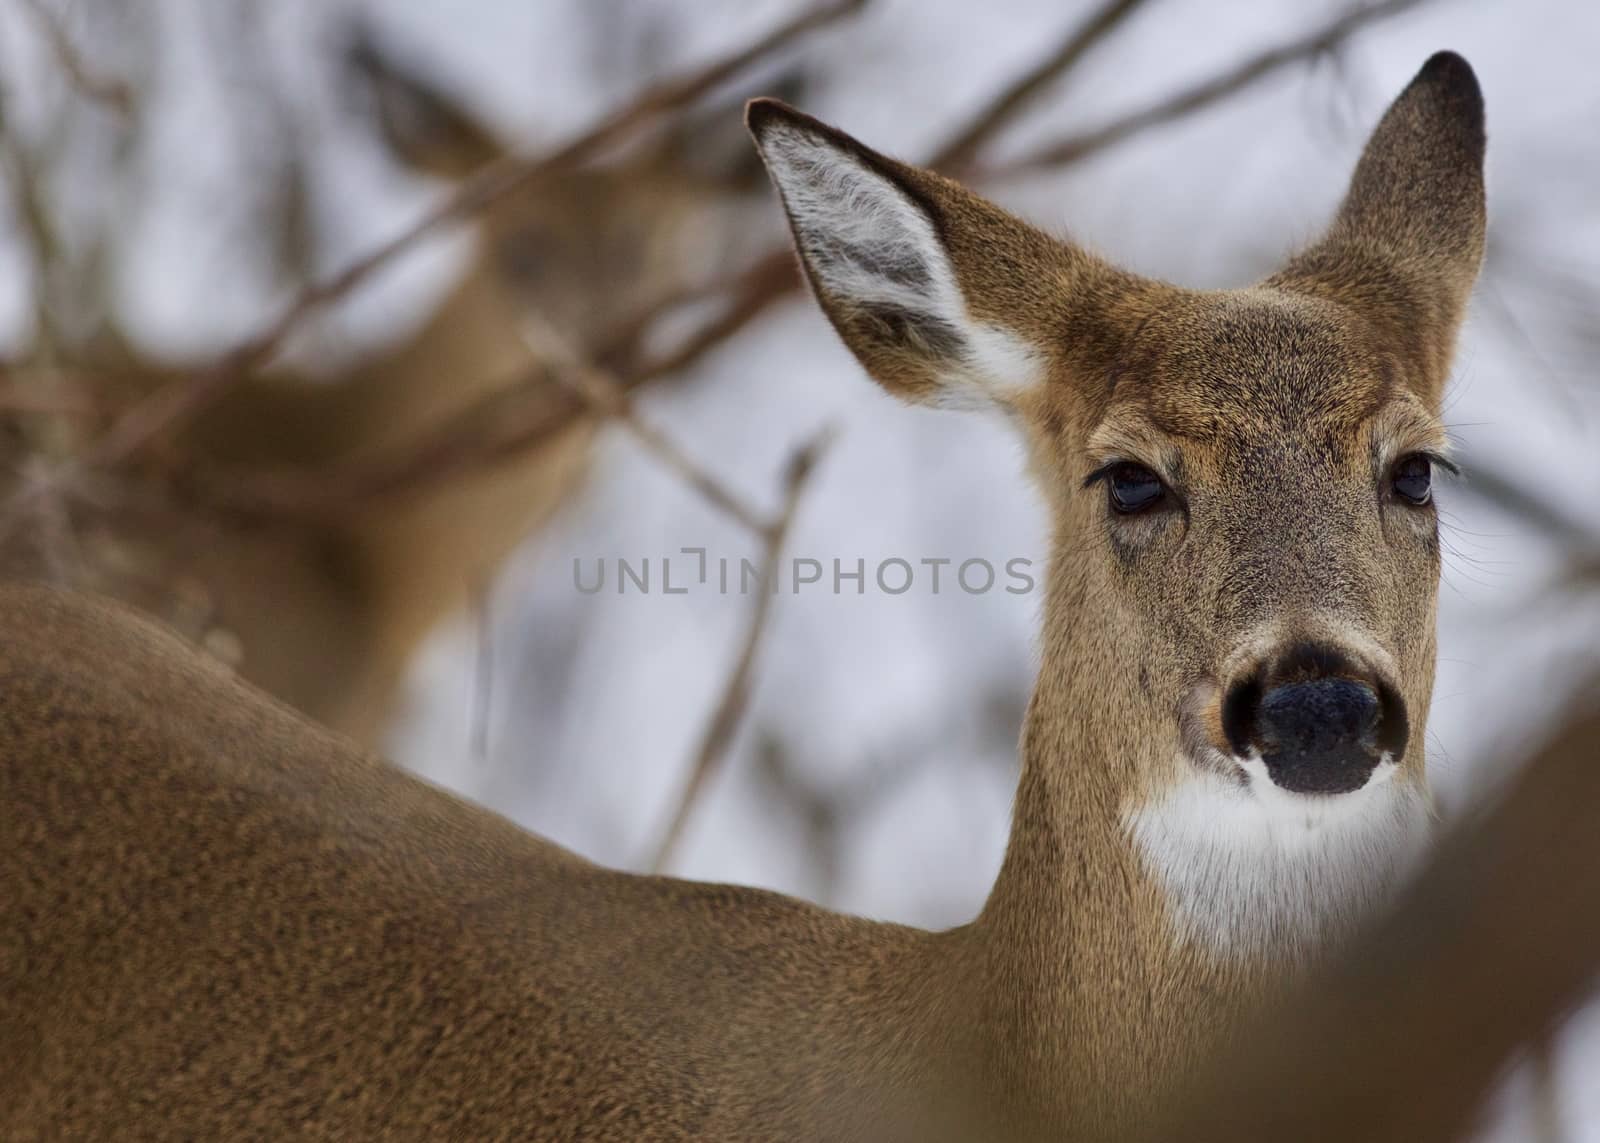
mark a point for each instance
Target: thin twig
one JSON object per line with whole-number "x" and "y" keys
{"x": 114, "y": 94}
{"x": 608, "y": 399}
{"x": 24, "y": 171}
{"x": 514, "y": 420}
{"x": 602, "y": 394}
{"x": 771, "y": 277}
{"x": 1186, "y": 101}
{"x": 724, "y": 720}
{"x": 960, "y": 151}
{"x": 176, "y": 403}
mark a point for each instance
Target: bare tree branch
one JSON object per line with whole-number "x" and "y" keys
{"x": 183, "y": 399}
{"x": 775, "y": 275}
{"x": 114, "y": 94}
{"x": 772, "y": 277}
{"x": 724, "y": 720}
{"x": 1075, "y": 148}
{"x": 24, "y": 171}
{"x": 961, "y": 150}
{"x": 608, "y": 400}
{"x": 545, "y": 402}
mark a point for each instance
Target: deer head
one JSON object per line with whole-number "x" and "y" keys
{"x": 594, "y": 243}
{"x": 1239, "y": 636}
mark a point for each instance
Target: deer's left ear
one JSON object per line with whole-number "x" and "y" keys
{"x": 1406, "y": 245}
{"x": 937, "y": 292}
{"x": 424, "y": 128}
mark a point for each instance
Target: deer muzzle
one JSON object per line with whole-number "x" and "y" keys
{"x": 1319, "y": 720}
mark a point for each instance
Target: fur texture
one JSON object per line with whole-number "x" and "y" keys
{"x": 218, "y": 922}
{"x": 1249, "y": 870}
{"x": 873, "y": 252}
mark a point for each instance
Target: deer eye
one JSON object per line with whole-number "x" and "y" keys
{"x": 1412, "y": 479}
{"x": 1133, "y": 488}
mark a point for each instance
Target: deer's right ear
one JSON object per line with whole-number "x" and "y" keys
{"x": 883, "y": 245}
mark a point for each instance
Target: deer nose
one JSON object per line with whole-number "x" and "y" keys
{"x": 1319, "y": 735}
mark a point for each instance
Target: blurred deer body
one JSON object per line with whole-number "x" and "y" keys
{"x": 326, "y": 608}
{"x": 220, "y": 921}
{"x": 395, "y": 567}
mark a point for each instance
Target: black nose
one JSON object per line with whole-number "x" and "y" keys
{"x": 1319, "y": 735}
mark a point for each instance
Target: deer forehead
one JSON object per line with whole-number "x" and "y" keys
{"x": 1236, "y": 381}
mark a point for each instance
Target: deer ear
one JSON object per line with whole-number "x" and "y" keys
{"x": 423, "y": 127}
{"x": 889, "y": 251}
{"x": 1408, "y": 240}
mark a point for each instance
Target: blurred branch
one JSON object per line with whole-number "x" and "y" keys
{"x": 608, "y": 399}
{"x": 534, "y": 411}
{"x": 772, "y": 277}
{"x": 24, "y": 172}
{"x": 604, "y": 396}
{"x": 1203, "y": 94}
{"x": 825, "y": 810}
{"x": 176, "y": 403}
{"x": 961, "y": 149}
{"x": 1400, "y": 1041}
{"x": 725, "y": 717}
{"x": 114, "y": 94}
{"x": 543, "y": 403}
{"x": 1493, "y": 486}
{"x": 821, "y": 814}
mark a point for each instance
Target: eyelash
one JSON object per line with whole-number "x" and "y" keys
{"x": 1436, "y": 459}
{"x": 1105, "y": 470}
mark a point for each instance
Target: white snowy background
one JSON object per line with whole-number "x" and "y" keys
{"x": 874, "y": 769}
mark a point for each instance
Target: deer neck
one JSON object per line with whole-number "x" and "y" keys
{"x": 1095, "y": 970}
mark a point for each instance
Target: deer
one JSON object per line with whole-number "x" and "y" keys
{"x": 326, "y": 609}
{"x": 218, "y": 920}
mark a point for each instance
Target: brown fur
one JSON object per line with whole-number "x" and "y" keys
{"x": 219, "y": 922}
{"x": 327, "y": 613}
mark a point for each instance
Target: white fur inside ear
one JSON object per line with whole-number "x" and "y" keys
{"x": 872, "y": 246}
